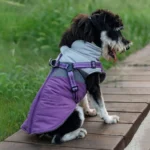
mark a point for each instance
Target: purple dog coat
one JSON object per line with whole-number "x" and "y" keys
{"x": 63, "y": 89}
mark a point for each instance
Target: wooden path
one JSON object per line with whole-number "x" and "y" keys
{"x": 127, "y": 94}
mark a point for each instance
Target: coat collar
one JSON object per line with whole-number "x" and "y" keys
{"x": 85, "y": 48}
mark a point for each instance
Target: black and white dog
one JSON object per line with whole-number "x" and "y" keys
{"x": 103, "y": 28}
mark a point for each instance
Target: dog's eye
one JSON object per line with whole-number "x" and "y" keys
{"x": 114, "y": 35}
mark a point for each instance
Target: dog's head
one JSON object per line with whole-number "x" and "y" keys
{"x": 103, "y": 28}
{"x": 109, "y": 26}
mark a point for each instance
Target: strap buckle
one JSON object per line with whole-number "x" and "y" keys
{"x": 70, "y": 67}
{"x": 93, "y": 64}
{"x": 53, "y": 62}
{"x": 74, "y": 88}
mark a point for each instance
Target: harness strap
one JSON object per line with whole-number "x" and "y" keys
{"x": 70, "y": 67}
{"x": 74, "y": 87}
{"x": 76, "y": 65}
{"x": 91, "y": 64}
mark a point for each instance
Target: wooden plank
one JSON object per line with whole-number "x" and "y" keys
{"x": 126, "y": 107}
{"x": 132, "y": 72}
{"x": 126, "y": 78}
{"x": 139, "y": 57}
{"x": 91, "y": 141}
{"x": 128, "y": 91}
{"x": 124, "y": 117}
{"x": 127, "y": 98}
{"x": 127, "y": 69}
{"x": 107, "y": 129}
{"x": 23, "y": 137}
{"x": 120, "y": 84}
{"x": 130, "y": 68}
{"x": 129, "y": 133}
{"x": 95, "y": 128}
{"x": 136, "y": 125}
{"x": 142, "y": 136}
{"x": 99, "y": 142}
{"x": 24, "y": 146}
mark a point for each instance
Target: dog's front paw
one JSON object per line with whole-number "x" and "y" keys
{"x": 111, "y": 119}
{"x": 90, "y": 112}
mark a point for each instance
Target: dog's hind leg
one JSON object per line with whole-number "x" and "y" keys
{"x": 77, "y": 134}
{"x": 86, "y": 107}
{"x": 71, "y": 129}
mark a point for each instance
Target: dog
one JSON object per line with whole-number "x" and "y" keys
{"x": 88, "y": 38}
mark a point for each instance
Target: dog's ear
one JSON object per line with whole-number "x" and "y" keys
{"x": 106, "y": 20}
{"x": 79, "y": 20}
{"x": 81, "y": 27}
{"x": 98, "y": 21}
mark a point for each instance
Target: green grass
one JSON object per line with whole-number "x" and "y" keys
{"x": 30, "y": 31}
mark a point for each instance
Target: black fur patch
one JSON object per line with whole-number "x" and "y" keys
{"x": 92, "y": 84}
{"x": 71, "y": 124}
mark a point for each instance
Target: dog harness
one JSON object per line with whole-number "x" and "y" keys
{"x": 70, "y": 67}
{"x": 62, "y": 90}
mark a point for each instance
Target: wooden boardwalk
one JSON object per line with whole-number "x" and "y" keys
{"x": 127, "y": 94}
